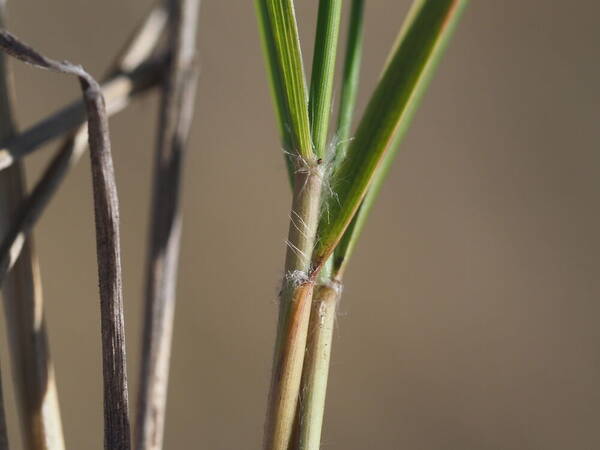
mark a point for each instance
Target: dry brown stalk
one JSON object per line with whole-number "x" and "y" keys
{"x": 176, "y": 114}
{"x": 116, "y": 420}
{"x": 33, "y": 371}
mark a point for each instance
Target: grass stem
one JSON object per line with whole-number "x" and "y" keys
{"x": 73, "y": 115}
{"x": 123, "y": 85}
{"x": 316, "y": 364}
{"x": 165, "y": 229}
{"x": 3, "y": 431}
{"x": 6, "y": 129}
{"x": 33, "y": 371}
{"x": 295, "y": 301}
{"x": 106, "y": 213}
{"x": 328, "y": 292}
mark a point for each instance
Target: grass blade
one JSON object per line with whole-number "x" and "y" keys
{"x": 349, "y": 91}
{"x": 280, "y": 22}
{"x": 348, "y": 96}
{"x": 276, "y": 83}
{"x": 323, "y": 70}
{"x": 346, "y": 245}
{"x": 117, "y": 434}
{"x": 423, "y": 39}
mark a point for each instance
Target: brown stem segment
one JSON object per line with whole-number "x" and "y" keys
{"x": 287, "y": 370}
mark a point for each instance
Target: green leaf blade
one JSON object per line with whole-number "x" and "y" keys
{"x": 422, "y": 43}
{"x": 350, "y": 78}
{"x": 346, "y": 246}
{"x": 276, "y": 84}
{"x": 280, "y": 18}
{"x": 348, "y": 94}
{"x": 323, "y": 70}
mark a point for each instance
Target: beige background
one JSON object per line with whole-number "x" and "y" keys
{"x": 470, "y": 316}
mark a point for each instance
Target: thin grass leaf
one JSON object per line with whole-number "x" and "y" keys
{"x": 323, "y": 71}
{"x": 350, "y": 78}
{"x": 281, "y": 24}
{"x": 349, "y": 91}
{"x": 424, "y": 37}
{"x": 276, "y": 84}
{"x": 344, "y": 249}
{"x": 116, "y": 420}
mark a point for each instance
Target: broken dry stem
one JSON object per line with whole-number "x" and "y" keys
{"x": 116, "y": 92}
{"x": 116, "y": 421}
{"x": 131, "y": 74}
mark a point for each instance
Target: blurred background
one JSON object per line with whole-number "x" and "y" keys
{"x": 470, "y": 313}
